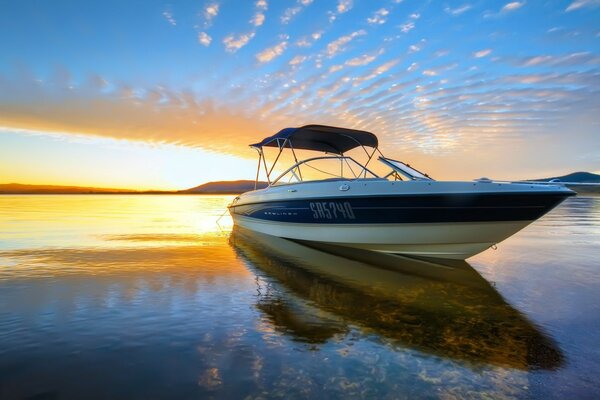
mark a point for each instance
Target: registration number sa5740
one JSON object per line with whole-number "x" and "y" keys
{"x": 331, "y": 210}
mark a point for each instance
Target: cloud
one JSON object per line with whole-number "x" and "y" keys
{"x": 233, "y": 44}
{"x": 407, "y": 27}
{"x": 303, "y": 42}
{"x": 578, "y": 4}
{"x": 262, "y": 5}
{"x": 438, "y": 70}
{"x": 458, "y": 10}
{"x": 583, "y": 79}
{"x": 567, "y": 60}
{"x": 515, "y": 5}
{"x": 298, "y": 60}
{"x": 379, "y": 17}
{"x": 507, "y": 8}
{"x": 151, "y": 115}
{"x": 204, "y": 39}
{"x": 363, "y": 59}
{"x": 289, "y": 13}
{"x": 338, "y": 45}
{"x": 344, "y": 6}
{"x": 272, "y": 52}
{"x": 211, "y": 11}
{"x": 308, "y": 41}
{"x": 169, "y": 17}
{"x": 482, "y": 53}
{"x": 537, "y": 60}
{"x": 258, "y": 19}
{"x": 415, "y": 48}
{"x": 381, "y": 69}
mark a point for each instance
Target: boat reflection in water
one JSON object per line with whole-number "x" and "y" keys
{"x": 446, "y": 310}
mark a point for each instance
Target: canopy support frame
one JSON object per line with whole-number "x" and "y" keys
{"x": 284, "y": 139}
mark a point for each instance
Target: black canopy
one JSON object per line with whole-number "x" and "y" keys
{"x": 321, "y": 138}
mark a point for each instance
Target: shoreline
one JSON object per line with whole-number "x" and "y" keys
{"x": 118, "y": 193}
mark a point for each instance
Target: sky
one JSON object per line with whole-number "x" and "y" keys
{"x": 168, "y": 95}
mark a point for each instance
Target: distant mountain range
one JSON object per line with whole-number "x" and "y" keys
{"x": 18, "y": 188}
{"x": 221, "y": 187}
{"x": 225, "y": 187}
{"x": 580, "y": 177}
{"x": 236, "y": 187}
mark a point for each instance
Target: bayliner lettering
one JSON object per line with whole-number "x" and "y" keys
{"x": 331, "y": 210}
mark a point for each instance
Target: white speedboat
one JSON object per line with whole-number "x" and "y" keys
{"x": 336, "y": 200}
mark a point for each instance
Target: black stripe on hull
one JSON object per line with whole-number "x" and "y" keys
{"x": 476, "y": 207}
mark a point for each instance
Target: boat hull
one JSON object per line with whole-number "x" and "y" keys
{"x": 442, "y": 225}
{"x": 439, "y": 240}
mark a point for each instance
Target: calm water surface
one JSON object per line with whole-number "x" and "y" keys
{"x": 144, "y": 297}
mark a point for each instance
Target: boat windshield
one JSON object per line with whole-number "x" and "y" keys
{"x": 324, "y": 168}
{"x": 400, "y": 169}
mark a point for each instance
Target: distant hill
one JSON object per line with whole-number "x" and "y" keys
{"x": 579, "y": 177}
{"x": 18, "y": 188}
{"x": 225, "y": 187}
{"x": 221, "y": 187}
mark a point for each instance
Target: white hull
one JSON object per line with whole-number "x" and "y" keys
{"x": 450, "y": 240}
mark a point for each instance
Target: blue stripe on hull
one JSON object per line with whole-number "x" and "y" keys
{"x": 405, "y": 209}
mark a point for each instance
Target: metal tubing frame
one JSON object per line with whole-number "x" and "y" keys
{"x": 257, "y": 169}
{"x": 265, "y": 164}
{"x": 281, "y": 147}
{"x": 295, "y": 159}
{"x": 370, "y": 156}
{"x": 346, "y": 158}
{"x": 359, "y": 143}
{"x": 350, "y": 167}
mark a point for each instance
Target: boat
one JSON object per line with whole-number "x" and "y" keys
{"x": 335, "y": 199}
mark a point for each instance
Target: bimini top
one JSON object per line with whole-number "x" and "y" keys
{"x": 323, "y": 138}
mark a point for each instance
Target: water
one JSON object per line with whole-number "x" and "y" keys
{"x": 144, "y": 297}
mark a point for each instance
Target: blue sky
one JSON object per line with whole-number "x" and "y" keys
{"x": 508, "y": 89}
